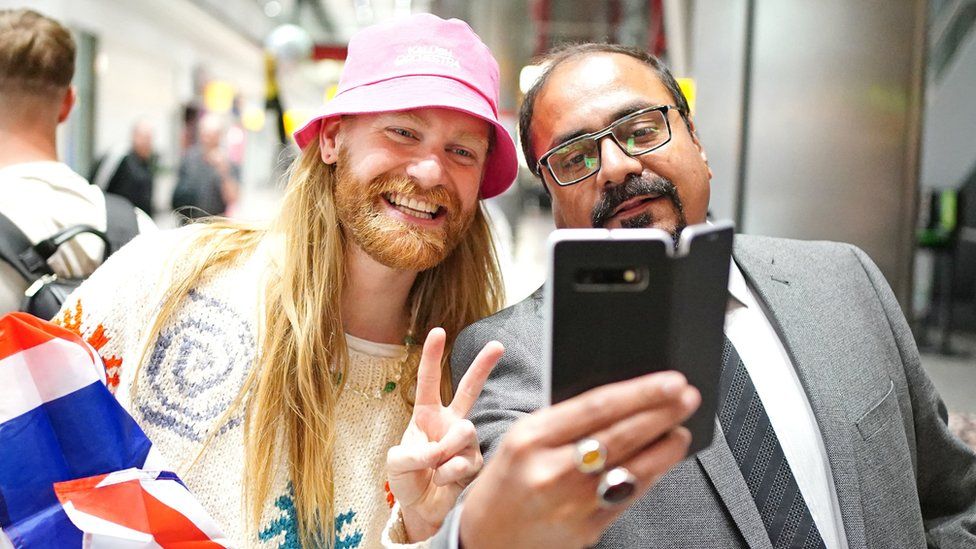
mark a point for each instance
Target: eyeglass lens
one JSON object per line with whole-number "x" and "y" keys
{"x": 581, "y": 158}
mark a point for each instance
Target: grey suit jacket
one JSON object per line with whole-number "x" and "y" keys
{"x": 902, "y": 479}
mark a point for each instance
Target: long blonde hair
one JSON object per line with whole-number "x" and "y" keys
{"x": 291, "y": 389}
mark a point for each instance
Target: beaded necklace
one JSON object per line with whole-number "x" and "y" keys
{"x": 393, "y": 381}
{"x": 394, "y": 377}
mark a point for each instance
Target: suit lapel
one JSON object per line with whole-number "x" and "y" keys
{"x": 780, "y": 291}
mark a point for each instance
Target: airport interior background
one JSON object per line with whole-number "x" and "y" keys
{"x": 839, "y": 120}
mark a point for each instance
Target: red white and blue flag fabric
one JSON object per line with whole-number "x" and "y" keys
{"x": 136, "y": 508}
{"x": 71, "y": 456}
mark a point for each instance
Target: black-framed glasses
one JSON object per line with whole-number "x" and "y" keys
{"x": 637, "y": 133}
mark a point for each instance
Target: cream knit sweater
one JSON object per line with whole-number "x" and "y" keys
{"x": 193, "y": 372}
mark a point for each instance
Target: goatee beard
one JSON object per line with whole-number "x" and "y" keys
{"x": 361, "y": 209}
{"x": 635, "y": 186}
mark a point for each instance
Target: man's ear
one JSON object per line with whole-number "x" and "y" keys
{"x": 701, "y": 150}
{"x": 328, "y": 140}
{"x": 67, "y": 104}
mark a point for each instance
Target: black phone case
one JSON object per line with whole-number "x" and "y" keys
{"x": 673, "y": 322}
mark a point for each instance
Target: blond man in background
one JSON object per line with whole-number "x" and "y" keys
{"x": 39, "y": 194}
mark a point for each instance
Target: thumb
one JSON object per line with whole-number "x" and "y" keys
{"x": 408, "y": 458}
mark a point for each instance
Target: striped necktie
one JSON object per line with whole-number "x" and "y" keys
{"x": 760, "y": 457}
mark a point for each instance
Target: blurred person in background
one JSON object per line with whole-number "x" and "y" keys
{"x": 831, "y": 434}
{"x": 39, "y": 194}
{"x": 129, "y": 173}
{"x": 276, "y": 368}
{"x": 207, "y": 182}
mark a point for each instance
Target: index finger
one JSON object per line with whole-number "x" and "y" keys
{"x": 429, "y": 371}
{"x": 474, "y": 379}
{"x": 598, "y": 408}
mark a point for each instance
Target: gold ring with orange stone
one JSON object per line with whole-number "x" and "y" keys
{"x": 591, "y": 456}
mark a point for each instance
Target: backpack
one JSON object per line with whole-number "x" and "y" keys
{"x": 47, "y": 291}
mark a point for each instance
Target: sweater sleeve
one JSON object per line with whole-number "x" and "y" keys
{"x": 113, "y": 308}
{"x": 395, "y": 533}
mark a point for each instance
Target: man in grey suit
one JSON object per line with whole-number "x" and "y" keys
{"x": 829, "y": 433}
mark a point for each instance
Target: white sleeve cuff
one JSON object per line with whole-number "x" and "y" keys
{"x": 395, "y": 533}
{"x": 453, "y": 527}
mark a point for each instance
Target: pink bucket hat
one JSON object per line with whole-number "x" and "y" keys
{"x": 423, "y": 61}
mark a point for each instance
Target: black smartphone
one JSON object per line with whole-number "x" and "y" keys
{"x": 626, "y": 302}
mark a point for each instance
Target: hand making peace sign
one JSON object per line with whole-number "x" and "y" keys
{"x": 439, "y": 454}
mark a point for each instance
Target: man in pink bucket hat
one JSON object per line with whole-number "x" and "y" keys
{"x": 278, "y": 369}
{"x": 423, "y": 62}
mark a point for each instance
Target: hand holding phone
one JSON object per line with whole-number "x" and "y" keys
{"x": 626, "y": 302}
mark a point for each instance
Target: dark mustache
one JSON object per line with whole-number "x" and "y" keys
{"x": 634, "y": 186}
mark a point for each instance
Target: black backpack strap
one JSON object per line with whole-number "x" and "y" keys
{"x": 121, "y": 224}
{"x": 17, "y": 250}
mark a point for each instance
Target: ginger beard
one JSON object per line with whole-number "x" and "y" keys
{"x": 362, "y": 208}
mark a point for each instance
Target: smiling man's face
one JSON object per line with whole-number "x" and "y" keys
{"x": 407, "y": 182}
{"x": 666, "y": 188}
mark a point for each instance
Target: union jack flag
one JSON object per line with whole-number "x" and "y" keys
{"x": 72, "y": 459}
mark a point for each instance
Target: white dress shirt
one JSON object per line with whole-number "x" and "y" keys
{"x": 787, "y": 406}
